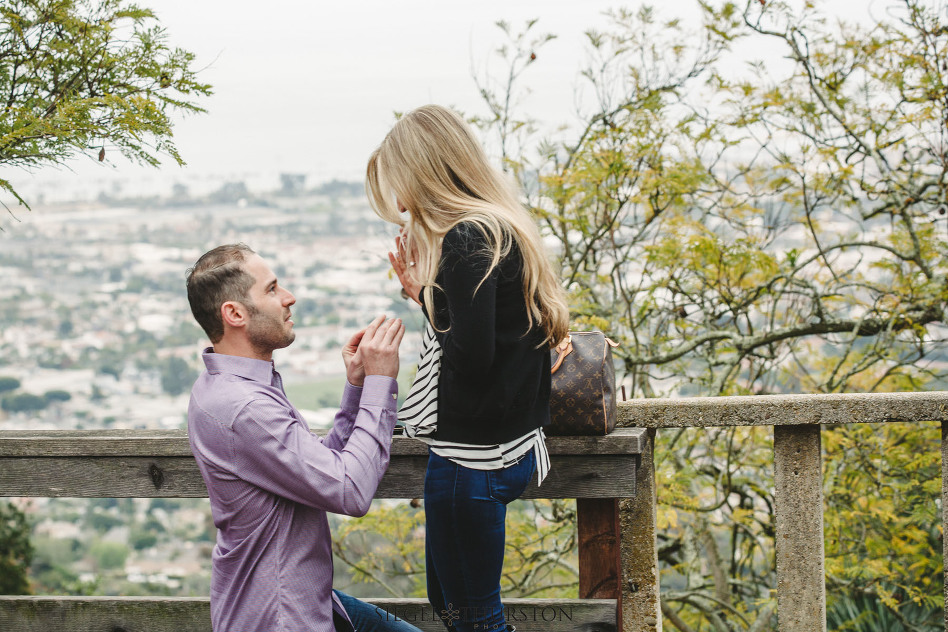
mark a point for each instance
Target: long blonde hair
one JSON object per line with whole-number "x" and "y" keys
{"x": 431, "y": 164}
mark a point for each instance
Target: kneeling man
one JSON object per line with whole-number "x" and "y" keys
{"x": 270, "y": 481}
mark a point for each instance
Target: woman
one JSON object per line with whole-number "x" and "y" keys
{"x": 471, "y": 256}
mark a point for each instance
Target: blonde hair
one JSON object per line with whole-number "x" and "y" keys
{"x": 431, "y": 164}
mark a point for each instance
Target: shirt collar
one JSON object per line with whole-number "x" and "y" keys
{"x": 249, "y": 368}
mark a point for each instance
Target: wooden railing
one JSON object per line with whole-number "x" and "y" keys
{"x": 596, "y": 471}
{"x": 612, "y": 478}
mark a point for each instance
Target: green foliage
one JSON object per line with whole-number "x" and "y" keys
{"x": 102, "y": 522}
{"x": 168, "y": 504}
{"x": 880, "y": 480}
{"x": 541, "y": 559}
{"x": 88, "y": 77}
{"x": 109, "y": 555}
{"x": 721, "y": 244}
{"x": 23, "y": 402}
{"x": 140, "y": 539}
{"x": 754, "y": 228}
{"x": 386, "y": 548}
{"x": 8, "y": 384}
{"x": 867, "y": 613}
{"x": 57, "y": 395}
{"x": 50, "y": 572}
{"x": 16, "y": 551}
{"x": 177, "y": 376}
{"x": 110, "y": 362}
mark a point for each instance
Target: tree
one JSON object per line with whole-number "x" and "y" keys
{"x": 57, "y": 395}
{"x": 23, "y": 402}
{"x": 81, "y": 76}
{"x": 8, "y": 384}
{"x": 177, "y": 376}
{"x": 387, "y": 546}
{"x": 108, "y": 555}
{"x": 140, "y": 540}
{"x": 16, "y": 552}
{"x": 754, "y": 229}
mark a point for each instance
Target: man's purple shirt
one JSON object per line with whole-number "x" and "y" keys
{"x": 271, "y": 482}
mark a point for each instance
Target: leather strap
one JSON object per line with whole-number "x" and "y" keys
{"x": 564, "y": 348}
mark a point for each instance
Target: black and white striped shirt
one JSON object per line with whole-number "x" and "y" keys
{"x": 497, "y": 456}
{"x": 419, "y": 414}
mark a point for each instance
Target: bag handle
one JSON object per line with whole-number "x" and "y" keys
{"x": 564, "y": 348}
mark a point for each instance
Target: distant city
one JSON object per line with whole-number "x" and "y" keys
{"x": 97, "y": 333}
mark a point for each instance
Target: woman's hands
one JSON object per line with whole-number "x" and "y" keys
{"x": 401, "y": 262}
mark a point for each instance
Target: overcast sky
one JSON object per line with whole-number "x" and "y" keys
{"x": 310, "y": 86}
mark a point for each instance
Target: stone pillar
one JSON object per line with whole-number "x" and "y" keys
{"x": 641, "y": 600}
{"x": 798, "y": 508}
{"x": 944, "y": 506}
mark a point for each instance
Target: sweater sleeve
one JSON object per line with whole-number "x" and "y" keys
{"x": 469, "y": 344}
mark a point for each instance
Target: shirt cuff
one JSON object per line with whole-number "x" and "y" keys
{"x": 380, "y": 390}
{"x": 350, "y": 397}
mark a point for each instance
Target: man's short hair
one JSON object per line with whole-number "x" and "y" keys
{"x": 217, "y": 277}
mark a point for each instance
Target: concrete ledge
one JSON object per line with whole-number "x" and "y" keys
{"x": 784, "y": 410}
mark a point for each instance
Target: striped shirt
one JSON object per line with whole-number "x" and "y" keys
{"x": 497, "y": 456}
{"x": 419, "y": 414}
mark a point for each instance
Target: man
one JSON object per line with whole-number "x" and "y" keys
{"x": 270, "y": 481}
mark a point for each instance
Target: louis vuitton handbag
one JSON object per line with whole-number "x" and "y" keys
{"x": 583, "y": 399}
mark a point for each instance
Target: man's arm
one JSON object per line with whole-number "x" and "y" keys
{"x": 275, "y": 452}
{"x": 344, "y": 421}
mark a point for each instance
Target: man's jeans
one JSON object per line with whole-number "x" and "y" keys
{"x": 367, "y": 618}
{"x": 465, "y": 536}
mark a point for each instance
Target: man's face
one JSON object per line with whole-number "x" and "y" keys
{"x": 270, "y": 326}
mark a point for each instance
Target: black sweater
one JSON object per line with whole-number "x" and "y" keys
{"x": 495, "y": 381}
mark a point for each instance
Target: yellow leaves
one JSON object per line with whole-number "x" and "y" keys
{"x": 729, "y": 267}
{"x": 594, "y": 322}
{"x": 887, "y": 597}
{"x": 666, "y": 518}
{"x": 880, "y": 515}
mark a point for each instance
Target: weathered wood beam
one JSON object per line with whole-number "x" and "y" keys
{"x": 23, "y": 443}
{"x": 148, "y": 464}
{"x": 597, "y": 534}
{"x": 183, "y": 614}
{"x": 178, "y": 477}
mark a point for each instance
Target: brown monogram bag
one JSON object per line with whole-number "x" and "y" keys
{"x": 583, "y": 400}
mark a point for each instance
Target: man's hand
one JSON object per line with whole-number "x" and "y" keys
{"x": 355, "y": 369}
{"x": 378, "y": 347}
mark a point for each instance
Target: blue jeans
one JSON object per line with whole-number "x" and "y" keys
{"x": 368, "y": 618}
{"x": 465, "y": 511}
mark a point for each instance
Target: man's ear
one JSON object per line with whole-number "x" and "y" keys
{"x": 234, "y": 314}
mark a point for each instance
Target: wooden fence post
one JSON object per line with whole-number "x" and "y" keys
{"x": 597, "y": 528}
